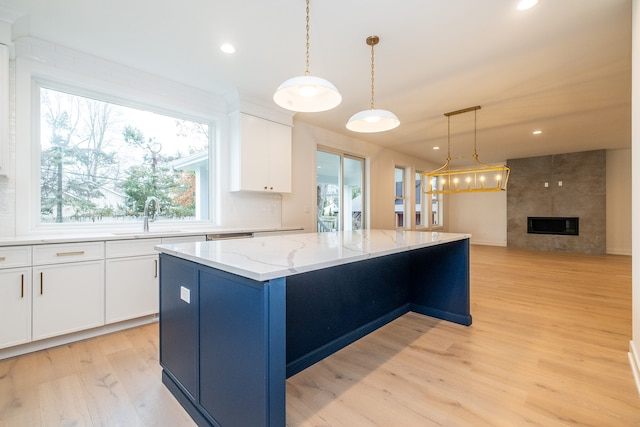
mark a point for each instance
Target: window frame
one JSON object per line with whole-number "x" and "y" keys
{"x": 425, "y": 205}
{"x": 30, "y": 77}
{"x": 406, "y": 222}
{"x": 364, "y": 192}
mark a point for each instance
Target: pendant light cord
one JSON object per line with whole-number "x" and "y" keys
{"x": 448, "y": 138}
{"x": 306, "y": 70}
{"x": 372, "y": 77}
{"x": 475, "y": 134}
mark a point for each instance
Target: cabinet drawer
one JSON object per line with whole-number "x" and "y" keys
{"x": 67, "y": 252}
{"x": 183, "y": 239}
{"x": 133, "y": 247}
{"x": 15, "y": 256}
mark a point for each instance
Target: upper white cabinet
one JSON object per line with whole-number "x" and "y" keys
{"x": 260, "y": 155}
{"x": 4, "y": 108}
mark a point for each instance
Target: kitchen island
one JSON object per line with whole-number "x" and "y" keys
{"x": 238, "y": 317}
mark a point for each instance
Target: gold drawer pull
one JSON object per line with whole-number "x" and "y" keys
{"x": 2, "y": 258}
{"x": 70, "y": 253}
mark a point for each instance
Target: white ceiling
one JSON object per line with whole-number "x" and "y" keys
{"x": 563, "y": 67}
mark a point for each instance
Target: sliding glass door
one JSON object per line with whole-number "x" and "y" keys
{"x": 340, "y": 192}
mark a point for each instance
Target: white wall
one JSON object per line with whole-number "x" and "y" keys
{"x": 483, "y": 215}
{"x": 619, "y": 202}
{"x": 634, "y": 345}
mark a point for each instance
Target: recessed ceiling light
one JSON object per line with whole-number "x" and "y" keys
{"x": 536, "y": 132}
{"x": 436, "y": 148}
{"x": 227, "y": 48}
{"x": 526, "y": 4}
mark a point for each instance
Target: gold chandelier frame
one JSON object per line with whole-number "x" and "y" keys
{"x": 477, "y": 178}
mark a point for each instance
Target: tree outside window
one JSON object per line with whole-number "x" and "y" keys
{"x": 101, "y": 161}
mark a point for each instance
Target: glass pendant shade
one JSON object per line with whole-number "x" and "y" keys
{"x": 373, "y": 120}
{"x": 307, "y": 94}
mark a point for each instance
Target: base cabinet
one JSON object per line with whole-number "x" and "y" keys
{"x": 67, "y": 298}
{"x": 179, "y": 324}
{"x": 131, "y": 288}
{"x": 214, "y": 345}
{"x": 15, "y": 306}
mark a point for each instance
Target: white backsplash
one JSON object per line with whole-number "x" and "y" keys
{"x": 8, "y": 184}
{"x": 252, "y": 210}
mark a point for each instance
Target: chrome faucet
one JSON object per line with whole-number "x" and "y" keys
{"x": 146, "y": 211}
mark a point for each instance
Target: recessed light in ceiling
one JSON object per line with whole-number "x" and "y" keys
{"x": 436, "y": 148}
{"x": 536, "y": 132}
{"x": 228, "y": 48}
{"x": 526, "y": 4}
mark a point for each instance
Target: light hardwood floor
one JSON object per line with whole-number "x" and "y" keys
{"x": 548, "y": 347}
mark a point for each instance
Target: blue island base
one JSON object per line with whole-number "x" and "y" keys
{"x": 227, "y": 352}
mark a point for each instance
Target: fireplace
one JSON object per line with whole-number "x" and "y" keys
{"x": 553, "y": 225}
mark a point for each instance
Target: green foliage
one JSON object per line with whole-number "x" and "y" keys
{"x": 81, "y": 164}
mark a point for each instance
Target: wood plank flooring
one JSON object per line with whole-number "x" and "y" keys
{"x": 548, "y": 347}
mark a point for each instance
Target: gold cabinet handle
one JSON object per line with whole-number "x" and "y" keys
{"x": 3, "y": 258}
{"x": 41, "y": 282}
{"x": 70, "y": 253}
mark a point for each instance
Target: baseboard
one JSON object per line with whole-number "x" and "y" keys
{"x": 18, "y": 350}
{"x": 482, "y": 242}
{"x": 619, "y": 251}
{"x": 634, "y": 359}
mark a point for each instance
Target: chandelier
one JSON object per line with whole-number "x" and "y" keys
{"x": 477, "y": 178}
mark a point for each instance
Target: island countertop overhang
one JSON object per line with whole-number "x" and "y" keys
{"x": 266, "y": 258}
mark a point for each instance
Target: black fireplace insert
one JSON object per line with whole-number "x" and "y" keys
{"x": 553, "y": 225}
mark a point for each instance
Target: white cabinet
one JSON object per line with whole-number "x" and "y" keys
{"x": 131, "y": 288}
{"x": 4, "y": 108}
{"x": 261, "y": 155}
{"x": 15, "y": 295}
{"x": 68, "y": 288}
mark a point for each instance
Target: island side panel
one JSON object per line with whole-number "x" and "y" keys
{"x": 440, "y": 281}
{"x": 330, "y": 308}
{"x": 242, "y": 349}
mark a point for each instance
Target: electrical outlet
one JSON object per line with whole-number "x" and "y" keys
{"x": 185, "y": 294}
{"x": 559, "y": 183}
{"x": 546, "y": 184}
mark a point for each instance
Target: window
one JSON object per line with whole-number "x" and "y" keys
{"x": 400, "y": 207}
{"x": 436, "y": 204}
{"x": 101, "y": 161}
{"x": 419, "y": 198}
{"x": 340, "y": 191}
{"x": 429, "y": 204}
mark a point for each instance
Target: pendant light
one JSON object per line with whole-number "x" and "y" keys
{"x": 307, "y": 93}
{"x": 477, "y": 178}
{"x": 373, "y": 120}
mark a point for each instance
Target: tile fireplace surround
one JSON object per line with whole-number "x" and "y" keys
{"x": 559, "y": 186}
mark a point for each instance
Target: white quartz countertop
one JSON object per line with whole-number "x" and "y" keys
{"x": 70, "y": 237}
{"x": 265, "y": 258}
